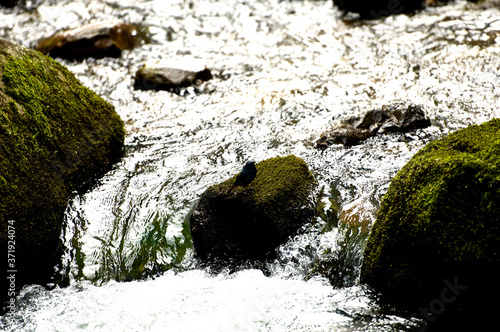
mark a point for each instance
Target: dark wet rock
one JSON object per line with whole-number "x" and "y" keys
{"x": 97, "y": 40}
{"x": 436, "y": 240}
{"x": 9, "y": 3}
{"x": 393, "y": 118}
{"x": 171, "y": 75}
{"x": 342, "y": 133}
{"x": 250, "y": 222}
{"x": 55, "y": 137}
{"x": 372, "y": 9}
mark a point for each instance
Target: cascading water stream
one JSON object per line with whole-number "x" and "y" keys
{"x": 283, "y": 71}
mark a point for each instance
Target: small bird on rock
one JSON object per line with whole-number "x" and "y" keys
{"x": 246, "y": 176}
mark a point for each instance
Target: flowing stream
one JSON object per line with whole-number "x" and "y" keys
{"x": 283, "y": 71}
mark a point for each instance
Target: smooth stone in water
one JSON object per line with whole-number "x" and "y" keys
{"x": 171, "y": 74}
{"x": 97, "y": 40}
{"x": 388, "y": 119}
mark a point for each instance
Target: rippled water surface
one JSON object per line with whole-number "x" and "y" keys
{"x": 283, "y": 71}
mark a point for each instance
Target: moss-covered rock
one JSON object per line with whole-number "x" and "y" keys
{"x": 250, "y": 222}
{"x": 439, "y": 224}
{"x": 55, "y": 136}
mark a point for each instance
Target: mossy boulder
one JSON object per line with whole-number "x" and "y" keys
{"x": 55, "y": 137}
{"x": 250, "y": 222}
{"x": 439, "y": 225}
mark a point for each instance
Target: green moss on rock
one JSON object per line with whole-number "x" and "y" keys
{"x": 440, "y": 220}
{"x": 250, "y": 222}
{"x": 55, "y": 136}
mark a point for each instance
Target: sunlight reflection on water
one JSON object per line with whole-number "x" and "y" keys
{"x": 282, "y": 72}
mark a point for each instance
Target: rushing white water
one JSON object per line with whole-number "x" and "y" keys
{"x": 282, "y": 72}
{"x": 195, "y": 301}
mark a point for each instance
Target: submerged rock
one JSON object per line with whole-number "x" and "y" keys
{"x": 55, "y": 136}
{"x": 371, "y": 9}
{"x": 436, "y": 240}
{"x": 250, "y": 222}
{"x": 393, "y": 118}
{"x": 170, "y": 75}
{"x": 95, "y": 40}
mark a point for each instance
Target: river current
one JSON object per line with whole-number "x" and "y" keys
{"x": 283, "y": 71}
